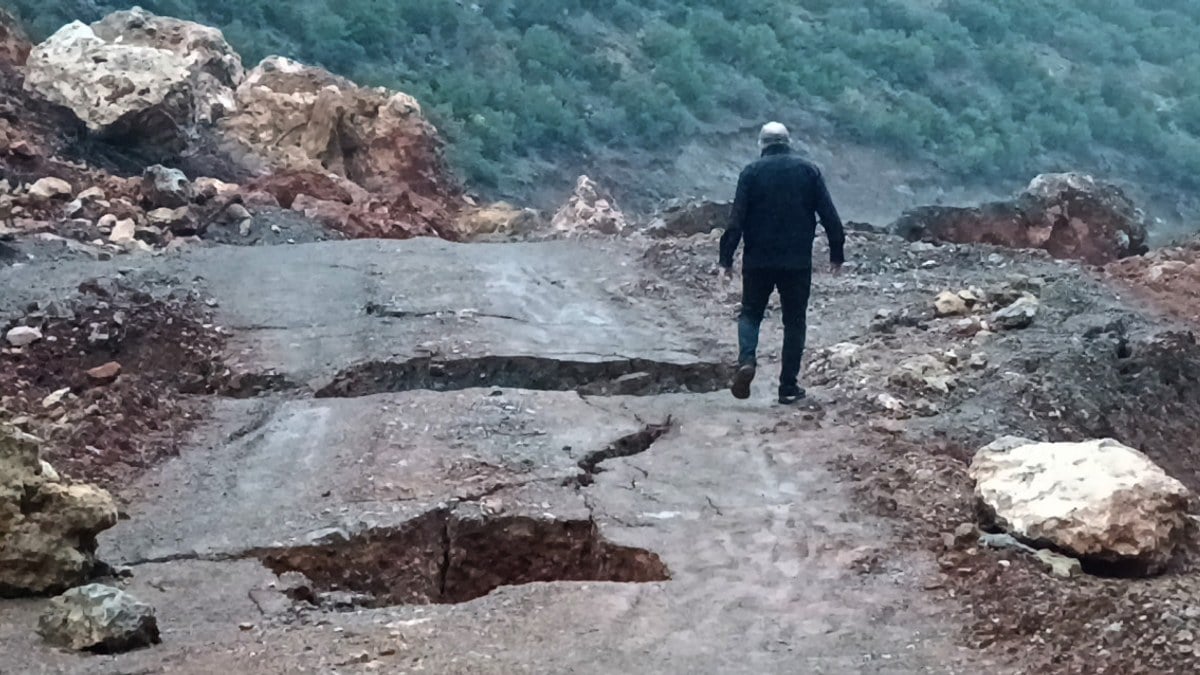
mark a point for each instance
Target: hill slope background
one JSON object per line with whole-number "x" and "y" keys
{"x": 900, "y": 99}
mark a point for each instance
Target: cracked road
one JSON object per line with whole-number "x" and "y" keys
{"x": 765, "y": 549}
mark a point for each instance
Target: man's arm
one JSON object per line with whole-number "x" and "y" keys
{"x": 832, "y": 222}
{"x": 733, "y": 233}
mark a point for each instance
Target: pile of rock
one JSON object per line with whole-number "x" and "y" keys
{"x": 361, "y": 161}
{"x": 48, "y": 526}
{"x": 1011, "y": 307}
{"x": 1069, "y": 215}
{"x": 590, "y": 210}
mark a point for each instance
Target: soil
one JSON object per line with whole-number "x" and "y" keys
{"x": 102, "y": 432}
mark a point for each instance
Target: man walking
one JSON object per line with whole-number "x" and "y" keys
{"x": 778, "y": 200}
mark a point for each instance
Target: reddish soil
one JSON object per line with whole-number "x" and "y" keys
{"x": 108, "y": 433}
{"x": 1168, "y": 279}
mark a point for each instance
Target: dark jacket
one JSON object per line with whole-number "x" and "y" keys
{"x": 778, "y": 200}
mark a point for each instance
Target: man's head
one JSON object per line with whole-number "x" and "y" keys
{"x": 773, "y": 133}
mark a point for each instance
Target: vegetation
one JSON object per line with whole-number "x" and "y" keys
{"x": 987, "y": 88}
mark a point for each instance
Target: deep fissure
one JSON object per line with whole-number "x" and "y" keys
{"x": 444, "y": 558}
{"x": 621, "y": 377}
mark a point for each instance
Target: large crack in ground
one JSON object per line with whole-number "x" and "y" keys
{"x": 626, "y": 446}
{"x": 621, "y": 377}
{"x": 445, "y": 558}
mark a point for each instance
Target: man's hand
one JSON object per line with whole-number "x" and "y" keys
{"x": 726, "y": 274}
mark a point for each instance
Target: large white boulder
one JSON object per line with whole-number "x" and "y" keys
{"x": 1099, "y": 500}
{"x": 136, "y": 74}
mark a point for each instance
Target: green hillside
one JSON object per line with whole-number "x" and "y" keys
{"x": 987, "y": 89}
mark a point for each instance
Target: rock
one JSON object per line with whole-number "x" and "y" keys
{"x": 49, "y": 188}
{"x": 23, "y": 336}
{"x": 123, "y": 232}
{"x": 179, "y": 221}
{"x": 688, "y": 219}
{"x": 47, "y": 528}
{"x": 236, "y": 213}
{"x": 890, "y": 403}
{"x": 207, "y": 189}
{"x": 497, "y": 218}
{"x": 92, "y": 194}
{"x": 214, "y": 67}
{"x": 589, "y": 210}
{"x": 105, "y": 374}
{"x": 1069, "y": 215}
{"x": 298, "y": 119}
{"x": 165, "y": 188}
{"x": 99, "y": 618}
{"x": 844, "y": 356}
{"x": 950, "y": 304}
{"x": 55, "y": 398}
{"x": 924, "y": 372}
{"x": 1099, "y": 501}
{"x": 1061, "y": 566}
{"x": 1018, "y": 315}
{"x": 137, "y": 77}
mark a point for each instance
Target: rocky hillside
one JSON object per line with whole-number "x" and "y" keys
{"x": 90, "y": 116}
{"x": 899, "y": 98}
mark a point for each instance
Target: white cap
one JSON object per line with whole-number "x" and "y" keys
{"x": 774, "y": 133}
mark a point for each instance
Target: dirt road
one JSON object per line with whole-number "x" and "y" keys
{"x": 721, "y": 544}
{"x": 521, "y": 458}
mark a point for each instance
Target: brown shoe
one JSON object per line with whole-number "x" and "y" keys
{"x": 742, "y": 380}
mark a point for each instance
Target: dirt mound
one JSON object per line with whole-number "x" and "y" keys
{"x": 687, "y": 219}
{"x": 1069, "y": 215}
{"x": 105, "y": 385}
{"x": 1168, "y": 278}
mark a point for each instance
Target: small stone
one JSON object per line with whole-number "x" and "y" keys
{"x": 49, "y": 473}
{"x": 166, "y": 188}
{"x": 73, "y": 209}
{"x": 105, "y": 374}
{"x": 99, "y": 618}
{"x": 123, "y": 232}
{"x": 1018, "y": 315}
{"x": 106, "y": 223}
{"x": 245, "y": 626}
{"x": 56, "y": 398}
{"x": 950, "y": 304}
{"x": 236, "y": 213}
{"x": 50, "y": 188}
{"x": 171, "y": 219}
{"x": 92, "y": 194}
{"x": 1061, "y": 566}
{"x": 23, "y": 336}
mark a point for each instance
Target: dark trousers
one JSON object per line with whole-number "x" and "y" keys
{"x": 794, "y": 288}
